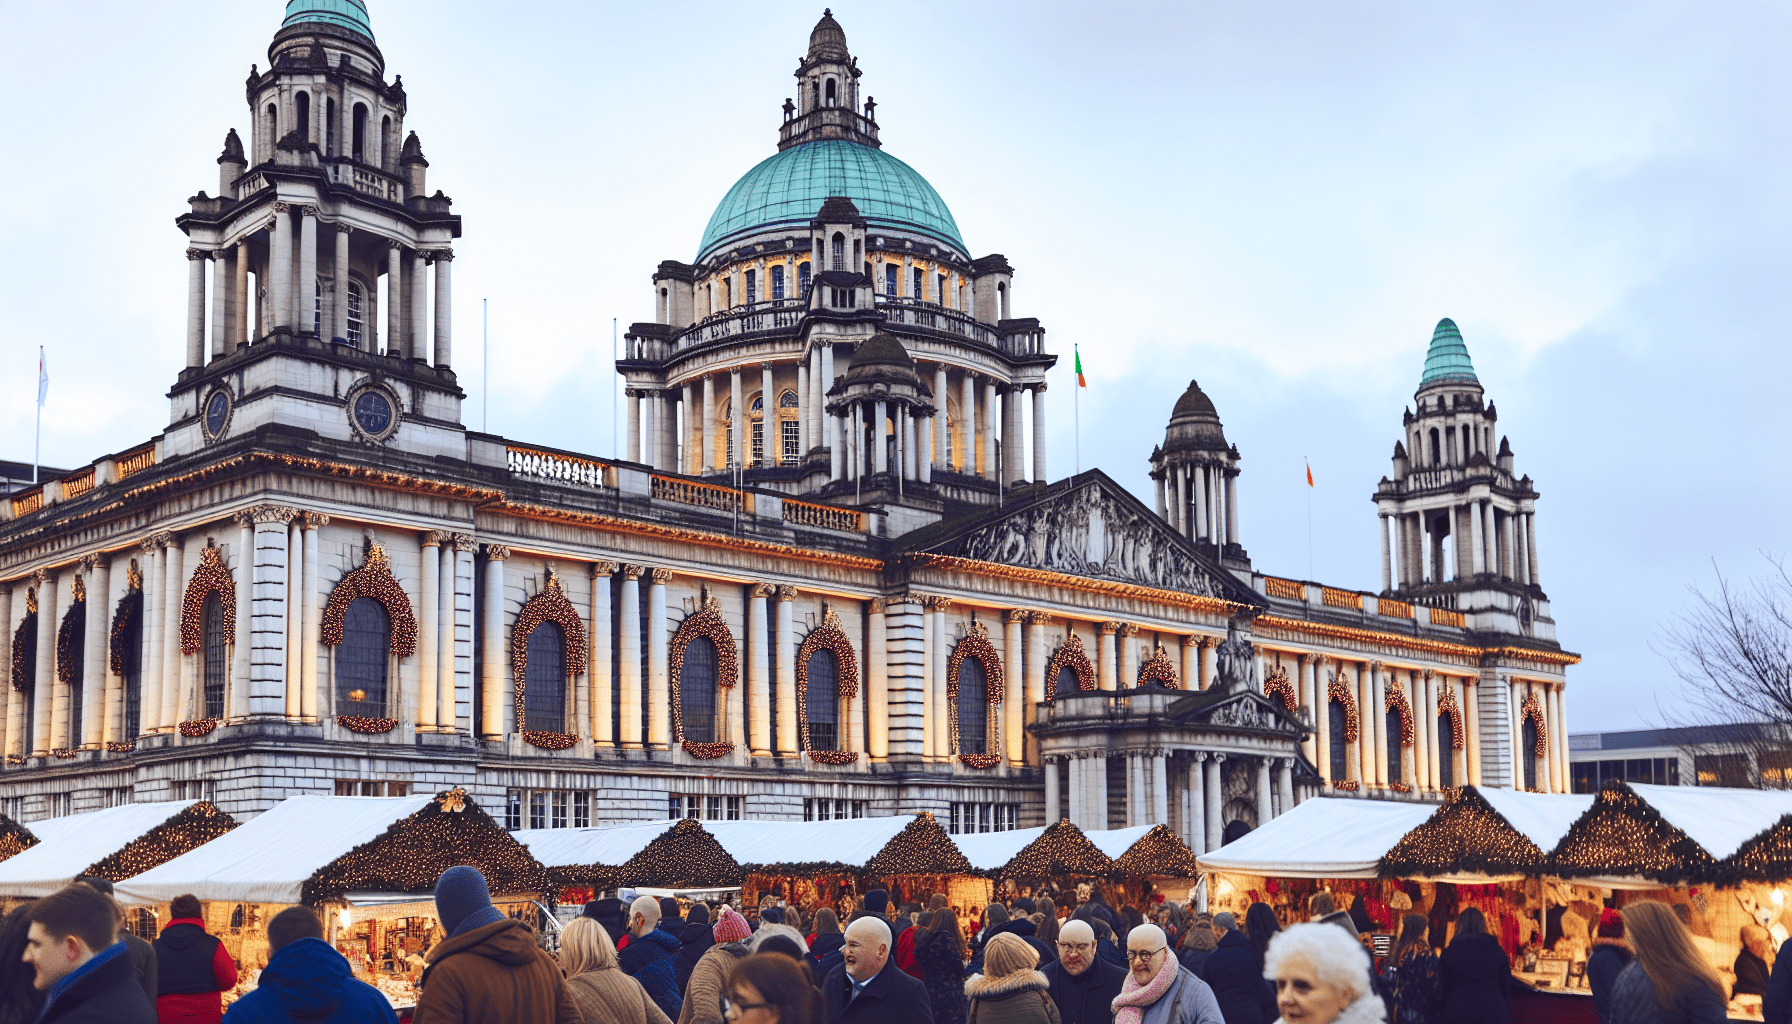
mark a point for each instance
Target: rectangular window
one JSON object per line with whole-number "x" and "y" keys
{"x": 919, "y": 284}
{"x": 353, "y": 329}
{"x": 538, "y": 810}
{"x": 802, "y": 279}
{"x": 1641, "y": 770}
{"x": 777, "y": 282}
{"x": 581, "y": 810}
{"x": 1729, "y": 770}
{"x": 1584, "y": 776}
{"x": 713, "y": 808}
{"x": 560, "y": 803}
{"x": 513, "y": 810}
{"x": 758, "y": 442}
{"x": 398, "y": 789}
{"x": 889, "y": 279}
{"x": 675, "y": 806}
{"x": 734, "y": 808}
{"x": 793, "y": 442}
{"x": 752, "y": 287}
{"x": 941, "y": 293}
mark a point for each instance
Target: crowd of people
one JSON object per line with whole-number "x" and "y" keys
{"x": 68, "y": 959}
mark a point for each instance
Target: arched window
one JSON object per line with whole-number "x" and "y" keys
{"x": 129, "y": 648}
{"x": 837, "y": 257}
{"x": 216, "y": 662}
{"x": 302, "y": 112}
{"x": 24, "y": 652}
{"x": 697, "y": 691}
{"x": 802, "y": 279}
{"x": 752, "y": 277}
{"x": 787, "y": 400}
{"x": 832, "y": 94}
{"x": 1527, "y": 753}
{"x": 273, "y": 129}
{"x": 1435, "y": 459}
{"x": 544, "y": 689}
{"x": 330, "y": 126}
{"x": 386, "y": 144}
{"x": 355, "y": 314}
{"x": 362, "y": 660}
{"x": 359, "y": 138}
{"x": 1337, "y": 725}
{"x": 1066, "y": 681}
{"x": 1446, "y": 751}
{"x": 973, "y": 707}
{"x": 823, "y": 703}
{"x": 1393, "y": 734}
{"x": 1002, "y": 294}
{"x": 74, "y": 632}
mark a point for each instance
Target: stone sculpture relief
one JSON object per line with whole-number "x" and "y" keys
{"x": 1236, "y": 663}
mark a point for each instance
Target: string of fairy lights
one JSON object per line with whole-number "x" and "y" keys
{"x": 1446, "y": 705}
{"x": 1158, "y": 670}
{"x": 14, "y": 837}
{"x": 1621, "y": 834}
{"x": 1278, "y": 686}
{"x": 708, "y": 624}
{"x": 128, "y": 614}
{"x": 1339, "y": 691}
{"x": 1073, "y": 656}
{"x": 684, "y": 856}
{"x": 413, "y": 852}
{"x": 1396, "y": 699}
{"x": 829, "y": 636}
{"x": 974, "y": 644}
{"x": 197, "y": 824}
{"x": 71, "y": 637}
{"x": 373, "y": 579}
{"x": 550, "y": 605}
{"x": 921, "y": 848}
{"x": 24, "y": 645}
{"x": 1533, "y": 710}
{"x": 1158, "y": 852}
{"x": 1061, "y": 850}
{"x": 210, "y": 577}
{"x": 1465, "y": 836}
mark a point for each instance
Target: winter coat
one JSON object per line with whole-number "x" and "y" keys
{"x": 1019, "y": 926}
{"x": 1188, "y": 1001}
{"x": 1194, "y": 961}
{"x": 694, "y": 940}
{"x": 891, "y": 997}
{"x": 826, "y": 951}
{"x": 905, "y": 952}
{"x": 1477, "y": 981}
{"x": 1086, "y": 998}
{"x": 1633, "y": 1002}
{"x": 1235, "y": 974}
{"x": 703, "y": 996}
{"x": 308, "y": 981}
{"x": 1607, "y": 960}
{"x": 943, "y": 976}
{"x": 143, "y": 961}
{"x": 104, "y": 990}
{"x": 1417, "y": 985}
{"x": 192, "y": 968}
{"x": 612, "y": 997}
{"x": 1018, "y": 998}
{"x": 650, "y": 959}
{"x": 1751, "y": 975}
{"x": 1367, "y": 1010}
{"x": 494, "y": 972}
{"x": 1776, "y": 1006}
{"x": 1105, "y": 948}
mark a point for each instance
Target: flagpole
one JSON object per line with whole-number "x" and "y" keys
{"x": 1309, "y": 466}
{"x": 1076, "y": 416}
{"x": 485, "y": 348}
{"x": 37, "y": 446}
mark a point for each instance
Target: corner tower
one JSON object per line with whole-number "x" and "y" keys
{"x": 1196, "y": 472}
{"x": 1458, "y": 527}
{"x": 319, "y": 246}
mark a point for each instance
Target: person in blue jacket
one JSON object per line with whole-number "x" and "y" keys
{"x": 307, "y": 980}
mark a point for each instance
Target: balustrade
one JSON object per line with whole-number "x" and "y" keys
{"x": 560, "y": 468}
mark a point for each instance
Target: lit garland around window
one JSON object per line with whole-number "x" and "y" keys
{"x": 367, "y": 726}
{"x": 981, "y": 761}
{"x": 198, "y": 727}
{"x": 197, "y": 824}
{"x": 1073, "y": 656}
{"x": 828, "y": 636}
{"x": 1347, "y": 785}
{"x": 1157, "y": 670}
{"x": 127, "y": 614}
{"x": 707, "y": 751}
{"x": 1533, "y": 710}
{"x": 1465, "y": 836}
{"x": 1062, "y": 851}
{"x": 14, "y": 837}
{"x": 921, "y": 848}
{"x": 24, "y": 645}
{"x": 550, "y": 605}
{"x": 71, "y": 640}
{"x": 1159, "y": 853}
{"x": 1277, "y": 686}
{"x": 1396, "y": 699}
{"x": 685, "y": 856}
{"x": 211, "y": 575}
{"x": 974, "y": 644}
{"x": 410, "y": 855}
{"x": 1446, "y": 705}
{"x": 1339, "y": 691}
{"x": 373, "y": 579}
{"x": 833, "y": 757}
{"x": 1622, "y": 835}
{"x": 120, "y": 746}
{"x": 709, "y": 624}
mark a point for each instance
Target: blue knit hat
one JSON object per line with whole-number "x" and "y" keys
{"x": 877, "y": 902}
{"x": 463, "y": 902}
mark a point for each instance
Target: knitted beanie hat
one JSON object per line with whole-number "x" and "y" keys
{"x": 730, "y": 927}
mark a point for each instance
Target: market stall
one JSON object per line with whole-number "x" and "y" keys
{"x": 14, "y": 837}
{"x": 367, "y": 865}
{"x": 909, "y": 856}
{"x": 1155, "y": 863}
{"x": 116, "y": 843}
{"x": 661, "y": 855}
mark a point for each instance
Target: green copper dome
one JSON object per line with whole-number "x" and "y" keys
{"x": 786, "y": 190}
{"x": 1447, "y": 361}
{"x": 349, "y": 14}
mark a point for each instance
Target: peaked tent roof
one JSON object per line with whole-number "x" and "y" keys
{"x": 1326, "y": 837}
{"x": 1720, "y": 820}
{"x": 1622, "y": 838}
{"x": 682, "y": 857}
{"x": 1058, "y": 849}
{"x": 1158, "y": 852}
{"x": 990, "y": 851}
{"x": 1765, "y": 858}
{"x": 117, "y": 843}
{"x": 1484, "y": 834}
{"x": 14, "y": 837}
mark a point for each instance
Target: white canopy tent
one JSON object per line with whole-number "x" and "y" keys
{"x": 1321, "y": 838}
{"x": 1543, "y": 818}
{"x": 852, "y": 841}
{"x": 1116, "y": 841}
{"x": 268, "y": 859}
{"x": 988, "y": 851}
{"x": 1719, "y": 820}
{"x": 70, "y": 844}
{"x": 609, "y": 845}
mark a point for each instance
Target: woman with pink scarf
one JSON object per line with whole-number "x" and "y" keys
{"x": 1158, "y": 990}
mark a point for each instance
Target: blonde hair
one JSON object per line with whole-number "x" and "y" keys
{"x": 585, "y": 946}
{"x": 1007, "y": 953}
{"x": 826, "y": 922}
{"x": 1666, "y": 952}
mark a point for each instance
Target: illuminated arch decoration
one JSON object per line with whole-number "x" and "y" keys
{"x": 211, "y": 575}
{"x": 1446, "y": 705}
{"x": 23, "y": 639}
{"x": 1070, "y": 655}
{"x": 1277, "y": 687}
{"x": 71, "y": 636}
{"x": 974, "y": 644}
{"x": 373, "y": 579}
{"x": 831, "y": 637}
{"x": 550, "y": 605}
{"x": 1339, "y": 691}
{"x": 129, "y": 610}
{"x": 1533, "y": 710}
{"x": 708, "y": 624}
{"x": 1158, "y": 669}
{"x": 1396, "y": 699}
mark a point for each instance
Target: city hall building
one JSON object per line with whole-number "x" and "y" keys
{"x": 832, "y": 576}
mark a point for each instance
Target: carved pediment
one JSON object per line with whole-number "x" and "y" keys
{"x": 1244, "y": 711}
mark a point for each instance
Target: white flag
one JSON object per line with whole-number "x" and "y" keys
{"x": 43, "y": 377}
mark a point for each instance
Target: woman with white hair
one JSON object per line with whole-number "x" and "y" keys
{"x": 1322, "y": 977}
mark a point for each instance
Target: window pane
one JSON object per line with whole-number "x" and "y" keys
{"x": 132, "y": 641}
{"x": 581, "y": 810}
{"x": 1446, "y": 753}
{"x": 1066, "y": 682}
{"x": 1528, "y": 744}
{"x": 361, "y": 661}
{"x": 973, "y": 708}
{"x": 697, "y": 691}
{"x": 75, "y": 622}
{"x": 1394, "y": 747}
{"x": 544, "y": 695}
{"x": 216, "y": 663}
{"x": 538, "y": 810}
{"x": 1337, "y": 723}
{"x": 560, "y": 810}
{"x": 824, "y": 701}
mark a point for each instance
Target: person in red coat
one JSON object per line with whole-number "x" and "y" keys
{"x": 192, "y": 968}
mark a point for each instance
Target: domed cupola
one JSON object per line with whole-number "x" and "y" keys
{"x": 1446, "y": 361}
{"x": 828, "y": 40}
{"x": 1197, "y": 476}
{"x": 878, "y": 400}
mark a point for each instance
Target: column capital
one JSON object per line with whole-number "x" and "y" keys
{"x": 1375, "y": 665}
{"x": 313, "y": 520}
{"x": 661, "y": 577}
{"x": 496, "y": 552}
{"x": 441, "y": 256}
{"x": 198, "y": 254}
{"x": 760, "y": 591}
{"x": 787, "y": 593}
{"x": 632, "y": 572}
{"x": 907, "y": 597}
{"x": 1018, "y": 616}
{"x": 90, "y": 562}
{"x": 1428, "y": 675}
{"x": 436, "y": 538}
{"x": 467, "y": 543}
{"x": 393, "y": 243}
{"x": 1129, "y": 629}
{"x": 1107, "y": 628}
{"x": 1218, "y": 758}
{"x": 305, "y": 210}
{"x": 877, "y": 605}
{"x": 282, "y": 207}
{"x": 1039, "y": 386}
{"x": 1039, "y": 618}
{"x": 41, "y": 577}
{"x": 270, "y": 514}
{"x": 937, "y": 602}
{"x": 1304, "y": 658}
{"x": 246, "y": 517}
{"x": 603, "y": 568}
{"x": 1208, "y": 640}
{"x": 1197, "y": 756}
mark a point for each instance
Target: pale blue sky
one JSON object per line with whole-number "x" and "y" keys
{"x": 1279, "y": 199}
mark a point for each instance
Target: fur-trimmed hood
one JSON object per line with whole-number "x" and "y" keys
{"x": 980, "y": 986}
{"x": 1367, "y": 1010}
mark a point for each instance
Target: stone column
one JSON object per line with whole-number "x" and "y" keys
{"x": 1104, "y": 654}
{"x": 417, "y": 344}
{"x": 628, "y": 650}
{"x": 768, "y": 414}
{"x": 785, "y": 674}
{"x": 1194, "y": 479}
{"x": 310, "y": 623}
{"x": 737, "y": 419}
{"x": 446, "y": 636}
{"x": 1039, "y": 475}
{"x": 1558, "y": 737}
{"x": 880, "y": 450}
{"x": 1160, "y": 788}
{"x": 267, "y": 657}
{"x": 1053, "y": 805}
{"x": 1383, "y": 742}
{"x": 1189, "y": 651}
{"x": 1322, "y": 718}
{"x": 924, "y": 451}
{"x": 177, "y": 666}
{"x": 1035, "y": 682}
{"x": 1078, "y": 791}
{"x": 1285, "y": 784}
{"x": 1368, "y": 720}
{"x": 444, "y": 259}
{"x": 1128, "y": 644}
{"x": 942, "y": 708}
{"x": 1521, "y": 549}
{"x": 1515, "y": 727}
{"x": 1096, "y": 774}
{"x": 877, "y": 681}
{"x": 1424, "y": 728}
{"x": 632, "y": 399}
{"x": 967, "y": 418}
{"x": 395, "y": 339}
{"x": 1530, "y": 543}
{"x": 805, "y": 402}
{"x": 759, "y": 661}
{"x": 1471, "y": 727}
{"x": 836, "y": 428}
{"x": 1265, "y": 806}
{"x": 339, "y": 303}
{"x": 856, "y": 738}
{"x": 1210, "y": 668}
{"x": 1135, "y": 789}
{"x": 305, "y": 288}
{"x": 991, "y": 404}
{"x": 1477, "y": 549}
{"x": 1216, "y": 826}
{"x": 239, "y": 297}
{"x": 429, "y": 627}
{"x": 706, "y": 417}
{"x": 196, "y": 307}
{"x": 830, "y": 432}
{"x": 1387, "y": 560}
{"x": 1194, "y": 824}
{"x": 1014, "y": 698}
{"x": 13, "y": 705}
{"x": 149, "y": 684}
{"x": 659, "y": 686}
{"x": 496, "y": 694}
{"x": 934, "y": 674}
{"x": 912, "y": 464}
{"x": 942, "y": 443}
{"x": 1232, "y": 534}
{"x": 1433, "y": 756}
{"x": 98, "y": 571}
{"x": 1309, "y": 699}
{"x": 43, "y": 661}
{"x": 603, "y": 728}
{"x": 220, "y": 325}
{"x": 666, "y": 415}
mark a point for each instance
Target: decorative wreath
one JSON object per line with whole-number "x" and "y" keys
{"x": 129, "y": 611}
{"x": 1396, "y": 698}
{"x": 980, "y": 760}
{"x": 550, "y": 605}
{"x": 834, "y": 757}
{"x": 1339, "y": 691}
{"x": 1446, "y": 705}
{"x": 69, "y": 638}
{"x": 827, "y": 636}
{"x": 211, "y": 575}
{"x": 708, "y": 624}
{"x": 63, "y": 752}
{"x": 1346, "y": 784}
{"x": 373, "y": 579}
{"x": 707, "y": 751}
{"x": 974, "y": 644}
{"x": 120, "y": 746}
{"x": 370, "y": 726}
{"x": 1533, "y": 710}
{"x": 1277, "y": 686}
{"x": 198, "y": 727}
{"x": 24, "y": 640}
{"x": 1158, "y": 669}
{"x": 1069, "y": 655}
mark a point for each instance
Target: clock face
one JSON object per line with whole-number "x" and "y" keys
{"x": 373, "y": 413}
{"x": 217, "y": 411}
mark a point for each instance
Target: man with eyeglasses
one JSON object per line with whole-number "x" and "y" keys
{"x": 1083, "y": 985}
{"x": 1158, "y": 990}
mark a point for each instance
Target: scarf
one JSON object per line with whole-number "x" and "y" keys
{"x": 1129, "y": 1005}
{"x": 1366, "y": 1010}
